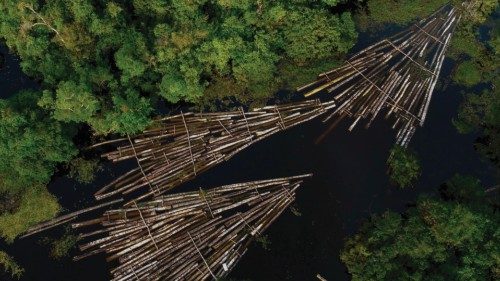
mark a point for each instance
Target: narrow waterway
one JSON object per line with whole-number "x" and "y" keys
{"x": 349, "y": 184}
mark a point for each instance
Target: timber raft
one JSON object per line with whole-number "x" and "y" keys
{"x": 178, "y": 148}
{"x": 196, "y": 235}
{"x": 398, "y": 75}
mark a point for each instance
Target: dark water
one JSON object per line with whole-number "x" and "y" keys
{"x": 349, "y": 184}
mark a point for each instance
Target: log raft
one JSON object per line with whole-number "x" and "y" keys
{"x": 198, "y": 235}
{"x": 397, "y": 75}
{"x": 178, "y": 148}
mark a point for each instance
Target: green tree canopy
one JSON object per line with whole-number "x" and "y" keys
{"x": 88, "y": 51}
{"x": 36, "y": 205}
{"x": 403, "y": 166}
{"x": 401, "y": 12}
{"x": 454, "y": 237}
{"x": 480, "y": 111}
{"x": 10, "y": 266}
{"x": 31, "y": 143}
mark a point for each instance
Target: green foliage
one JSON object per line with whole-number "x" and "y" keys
{"x": 468, "y": 73}
{"x": 31, "y": 143}
{"x": 61, "y": 247}
{"x": 97, "y": 58}
{"x": 129, "y": 115}
{"x": 404, "y": 167}
{"x": 10, "y": 265}
{"x": 295, "y": 76}
{"x": 479, "y": 62}
{"x": 332, "y": 3}
{"x": 315, "y": 35}
{"x": 84, "y": 170}
{"x": 480, "y": 112}
{"x": 36, "y": 205}
{"x": 479, "y": 11}
{"x": 451, "y": 238}
{"x": 401, "y": 12}
{"x": 72, "y": 103}
{"x": 464, "y": 43}
{"x": 463, "y": 189}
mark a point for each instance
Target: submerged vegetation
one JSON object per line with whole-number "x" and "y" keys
{"x": 60, "y": 248}
{"x": 84, "y": 170}
{"x": 264, "y": 242}
{"x": 379, "y": 12}
{"x": 403, "y": 166}
{"x": 453, "y": 237}
{"x": 10, "y": 266}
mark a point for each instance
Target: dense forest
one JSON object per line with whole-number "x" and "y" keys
{"x": 108, "y": 67}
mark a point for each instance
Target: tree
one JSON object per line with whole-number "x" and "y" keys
{"x": 468, "y": 73}
{"x": 31, "y": 143}
{"x": 10, "y": 266}
{"x": 316, "y": 35}
{"x": 453, "y": 237}
{"x": 404, "y": 167}
{"x": 480, "y": 111}
{"x": 84, "y": 170}
{"x": 36, "y": 205}
{"x": 87, "y": 51}
{"x": 400, "y": 12}
{"x": 130, "y": 115}
{"x": 72, "y": 103}
{"x": 31, "y": 146}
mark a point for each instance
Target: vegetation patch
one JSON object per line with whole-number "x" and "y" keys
{"x": 467, "y": 74}
{"x": 400, "y": 12}
{"x": 453, "y": 237}
{"x": 61, "y": 247}
{"x": 84, "y": 170}
{"x": 36, "y": 205}
{"x": 102, "y": 62}
{"x": 403, "y": 166}
{"x": 10, "y": 266}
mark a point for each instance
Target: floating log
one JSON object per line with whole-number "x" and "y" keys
{"x": 65, "y": 218}
{"x": 397, "y": 75}
{"x": 196, "y": 235}
{"x": 177, "y": 148}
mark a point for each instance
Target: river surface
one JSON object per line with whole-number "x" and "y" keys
{"x": 349, "y": 184}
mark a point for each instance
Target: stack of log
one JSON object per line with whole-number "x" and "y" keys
{"x": 195, "y": 235}
{"x": 177, "y": 148}
{"x": 397, "y": 75}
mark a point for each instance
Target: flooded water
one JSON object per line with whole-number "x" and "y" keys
{"x": 349, "y": 184}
